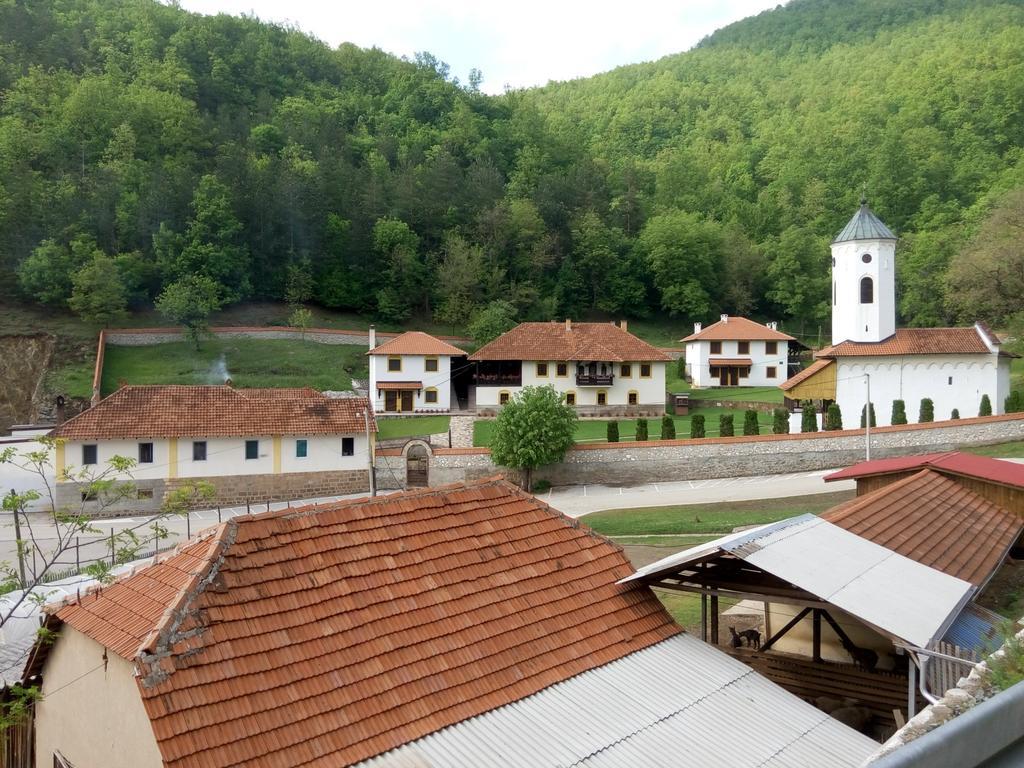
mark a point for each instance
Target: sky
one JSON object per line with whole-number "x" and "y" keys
{"x": 517, "y": 44}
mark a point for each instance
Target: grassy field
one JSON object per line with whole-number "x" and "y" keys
{"x": 249, "y": 363}
{"x": 596, "y": 430}
{"x": 414, "y": 425}
{"x": 708, "y": 519}
{"x": 685, "y": 609}
{"x": 1013, "y": 450}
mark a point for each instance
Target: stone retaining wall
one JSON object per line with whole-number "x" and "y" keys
{"x": 662, "y": 461}
{"x": 142, "y": 337}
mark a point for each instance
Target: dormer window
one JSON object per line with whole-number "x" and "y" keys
{"x": 867, "y": 290}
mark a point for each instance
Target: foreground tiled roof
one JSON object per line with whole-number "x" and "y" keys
{"x": 416, "y": 343}
{"x": 805, "y": 374}
{"x": 915, "y": 341}
{"x": 327, "y": 635}
{"x": 215, "y": 411}
{"x": 948, "y": 462}
{"x": 936, "y": 521}
{"x": 572, "y": 342}
{"x": 738, "y": 329}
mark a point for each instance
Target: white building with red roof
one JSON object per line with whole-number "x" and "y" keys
{"x": 412, "y": 373}
{"x": 953, "y": 367}
{"x": 600, "y": 368}
{"x": 735, "y": 352}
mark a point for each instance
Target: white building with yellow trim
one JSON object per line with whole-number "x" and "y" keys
{"x": 412, "y": 373}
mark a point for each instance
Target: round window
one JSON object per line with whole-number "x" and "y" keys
{"x": 866, "y": 258}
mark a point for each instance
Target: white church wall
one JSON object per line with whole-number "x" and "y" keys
{"x": 951, "y": 381}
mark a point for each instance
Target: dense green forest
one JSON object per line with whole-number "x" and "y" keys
{"x": 146, "y": 151}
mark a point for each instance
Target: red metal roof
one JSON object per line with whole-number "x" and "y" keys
{"x": 215, "y": 411}
{"x": 934, "y": 520}
{"x": 569, "y": 342}
{"x": 949, "y": 462}
{"x": 738, "y": 329}
{"x": 416, "y": 343}
{"x": 326, "y": 635}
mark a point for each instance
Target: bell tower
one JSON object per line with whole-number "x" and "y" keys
{"x": 863, "y": 279}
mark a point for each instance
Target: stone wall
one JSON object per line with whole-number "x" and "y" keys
{"x": 662, "y": 461}
{"x": 141, "y": 337}
{"x": 231, "y": 490}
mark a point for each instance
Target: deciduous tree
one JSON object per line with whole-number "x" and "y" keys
{"x": 533, "y": 429}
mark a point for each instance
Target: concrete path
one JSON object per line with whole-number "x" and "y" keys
{"x": 578, "y": 500}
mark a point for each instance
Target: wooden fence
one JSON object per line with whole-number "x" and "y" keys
{"x": 943, "y": 674}
{"x": 17, "y": 744}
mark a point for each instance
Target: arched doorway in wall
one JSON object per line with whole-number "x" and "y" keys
{"x": 417, "y": 466}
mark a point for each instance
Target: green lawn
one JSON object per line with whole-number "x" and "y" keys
{"x": 596, "y": 430}
{"x": 685, "y": 609}
{"x": 708, "y": 519}
{"x": 1013, "y": 450}
{"x": 388, "y": 428}
{"x": 249, "y": 363}
{"x": 670, "y": 543}
{"x": 739, "y": 394}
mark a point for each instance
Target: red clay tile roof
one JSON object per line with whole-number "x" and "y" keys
{"x": 215, "y": 411}
{"x": 915, "y": 341}
{"x": 738, "y": 329}
{"x": 416, "y": 343}
{"x": 579, "y": 342}
{"x": 934, "y": 520}
{"x": 948, "y": 462}
{"x": 327, "y": 635}
{"x": 805, "y": 374}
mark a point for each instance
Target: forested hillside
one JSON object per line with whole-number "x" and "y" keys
{"x": 141, "y": 146}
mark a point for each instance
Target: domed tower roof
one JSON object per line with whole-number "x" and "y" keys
{"x": 864, "y": 226}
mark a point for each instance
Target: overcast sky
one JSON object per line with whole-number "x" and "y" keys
{"x": 522, "y": 43}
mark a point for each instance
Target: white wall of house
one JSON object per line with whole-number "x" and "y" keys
{"x": 226, "y": 456}
{"x": 951, "y": 381}
{"x": 650, "y": 390}
{"x": 699, "y": 360}
{"x": 91, "y": 709}
{"x": 413, "y": 369}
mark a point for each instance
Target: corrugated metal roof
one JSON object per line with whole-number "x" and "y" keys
{"x": 864, "y": 225}
{"x": 680, "y": 697}
{"x": 976, "y": 628}
{"x": 902, "y": 598}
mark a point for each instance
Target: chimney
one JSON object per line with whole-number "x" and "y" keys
{"x": 372, "y": 333}
{"x": 228, "y": 382}
{"x": 624, "y": 325}
{"x": 773, "y": 325}
{"x": 697, "y": 327}
{"x": 568, "y": 324}
{"x": 60, "y": 409}
{"x": 725, "y": 318}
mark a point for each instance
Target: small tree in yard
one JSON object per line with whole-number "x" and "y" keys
{"x": 668, "y": 428}
{"x": 535, "y": 428}
{"x": 927, "y": 411}
{"x": 641, "y": 430}
{"x": 750, "y": 425}
{"x": 809, "y": 420}
{"x": 833, "y": 418}
{"x": 862, "y": 420}
{"x": 189, "y": 302}
{"x": 613, "y": 431}
{"x": 697, "y": 426}
{"x": 725, "y": 425}
{"x": 780, "y": 421}
{"x": 955, "y": 414}
{"x": 985, "y": 409}
{"x": 53, "y": 543}
{"x": 301, "y": 318}
{"x": 899, "y": 412}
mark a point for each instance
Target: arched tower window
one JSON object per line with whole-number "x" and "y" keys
{"x": 867, "y": 290}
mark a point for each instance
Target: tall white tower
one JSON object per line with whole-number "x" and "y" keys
{"x": 863, "y": 279}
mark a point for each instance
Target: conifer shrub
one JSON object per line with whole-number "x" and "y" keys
{"x": 725, "y": 425}
{"x": 833, "y": 418}
{"x": 1014, "y": 402}
{"x": 873, "y": 422}
{"x": 899, "y": 412}
{"x": 927, "y": 412}
{"x": 955, "y": 414}
{"x": 985, "y": 409}
{"x": 681, "y": 368}
{"x": 697, "y": 426}
{"x": 641, "y": 430}
{"x": 613, "y": 431}
{"x": 780, "y": 421}
{"x": 750, "y": 425}
{"x": 668, "y": 428}
{"x": 809, "y": 420}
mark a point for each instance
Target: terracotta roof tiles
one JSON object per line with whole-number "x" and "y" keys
{"x": 215, "y": 411}
{"x": 416, "y": 343}
{"x": 915, "y": 341}
{"x": 738, "y": 329}
{"x": 569, "y": 342}
{"x": 326, "y": 635}
{"x": 936, "y": 521}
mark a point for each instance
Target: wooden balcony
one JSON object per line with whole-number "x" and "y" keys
{"x": 594, "y": 379}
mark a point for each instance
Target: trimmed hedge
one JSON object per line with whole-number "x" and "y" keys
{"x": 613, "y": 431}
{"x": 927, "y": 412}
{"x": 955, "y": 414}
{"x": 833, "y": 418}
{"x": 873, "y": 422}
{"x": 668, "y": 428}
{"x": 780, "y": 421}
{"x": 697, "y": 426}
{"x": 750, "y": 425}
{"x": 985, "y": 409}
{"x": 899, "y": 412}
{"x": 725, "y": 425}
{"x": 809, "y": 420}
{"x": 641, "y": 429}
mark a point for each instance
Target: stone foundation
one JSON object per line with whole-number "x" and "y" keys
{"x": 231, "y": 491}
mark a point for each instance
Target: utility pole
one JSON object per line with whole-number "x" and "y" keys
{"x": 369, "y": 454}
{"x": 15, "y": 508}
{"x": 867, "y": 421}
